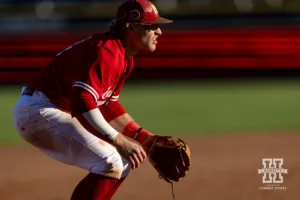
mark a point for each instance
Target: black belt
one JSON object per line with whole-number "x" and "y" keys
{"x": 28, "y": 91}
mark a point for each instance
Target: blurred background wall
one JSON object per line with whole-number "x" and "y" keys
{"x": 242, "y": 105}
{"x": 209, "y": 38}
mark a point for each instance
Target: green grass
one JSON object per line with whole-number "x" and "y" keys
{"x": 200, "y": 108}
{"x": 9, "y": 96}
{"x": 205, "y": 108}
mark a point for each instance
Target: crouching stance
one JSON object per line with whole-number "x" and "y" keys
{"x": 71, "y": 110}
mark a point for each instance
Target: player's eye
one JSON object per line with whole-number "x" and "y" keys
{"x": 150, "y": 27}
{"x": 154, "y": 27}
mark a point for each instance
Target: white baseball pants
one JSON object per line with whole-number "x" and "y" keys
{"x": 63, "y": 138}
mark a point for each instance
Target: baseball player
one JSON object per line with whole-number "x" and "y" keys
{"x": 71, "y": 110}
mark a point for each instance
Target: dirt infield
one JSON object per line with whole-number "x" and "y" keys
{"x": 223, "y": 167}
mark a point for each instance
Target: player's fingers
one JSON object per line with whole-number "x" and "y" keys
{"x": 140, "y": 153}
{"x": 143, "y": 153}
{"x": 136, "y": 160}
{"x": 140, "y": 157}
{"x": 132, "y": 162}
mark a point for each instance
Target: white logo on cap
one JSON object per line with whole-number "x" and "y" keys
{"x": 154, "y": 8}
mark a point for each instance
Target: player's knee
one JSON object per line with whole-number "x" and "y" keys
{"x": 118, "y": 166}
{"x": 115, "y": 167}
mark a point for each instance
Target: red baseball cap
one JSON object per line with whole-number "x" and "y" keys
{"x": 142, "y": 11}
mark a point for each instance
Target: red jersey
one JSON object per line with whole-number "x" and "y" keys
{"x": 97, "y": 65}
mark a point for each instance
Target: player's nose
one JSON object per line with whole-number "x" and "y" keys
{"x": 158, "y": 32}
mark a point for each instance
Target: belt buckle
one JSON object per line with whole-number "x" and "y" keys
{"x": 28, "y": 91}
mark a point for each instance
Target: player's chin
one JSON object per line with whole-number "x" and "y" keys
{"x": 151, "y": 47}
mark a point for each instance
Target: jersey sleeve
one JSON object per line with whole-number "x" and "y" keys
{"x": 87, "y": 88}
{"x": 85, "y": 91}
{"x": 97, "y": 79}
{"x": 82, "y": 101}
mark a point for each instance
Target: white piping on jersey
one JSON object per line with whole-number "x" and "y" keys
{"x": 86, "y": 86}
{"x": 115, "y": 97}
{"x": 90, "y": 91}
{"x": 100, "y": 103}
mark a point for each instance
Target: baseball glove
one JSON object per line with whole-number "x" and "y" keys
{"x": 171, "y": 157}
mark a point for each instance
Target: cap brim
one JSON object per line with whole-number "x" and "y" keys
{"x": 162, "y": 20}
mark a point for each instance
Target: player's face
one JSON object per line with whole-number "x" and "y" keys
{"x": 146, "y": 36}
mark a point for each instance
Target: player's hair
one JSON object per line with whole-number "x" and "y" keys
{"x": 117, "y": 28}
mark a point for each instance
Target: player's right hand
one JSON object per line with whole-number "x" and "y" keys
{"x": 132, "y": 151}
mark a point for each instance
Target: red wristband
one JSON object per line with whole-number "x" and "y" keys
{"x": 141, "y": 136}
{"x": 134, "y": 131}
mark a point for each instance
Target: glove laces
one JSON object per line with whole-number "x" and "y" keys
{"x": 172, "y": 189}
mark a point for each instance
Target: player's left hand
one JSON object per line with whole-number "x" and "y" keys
{"x": 170, "y": 156}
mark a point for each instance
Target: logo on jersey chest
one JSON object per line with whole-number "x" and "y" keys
{"x": 104, "y": 96}
{"x": 107, "y": 93}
